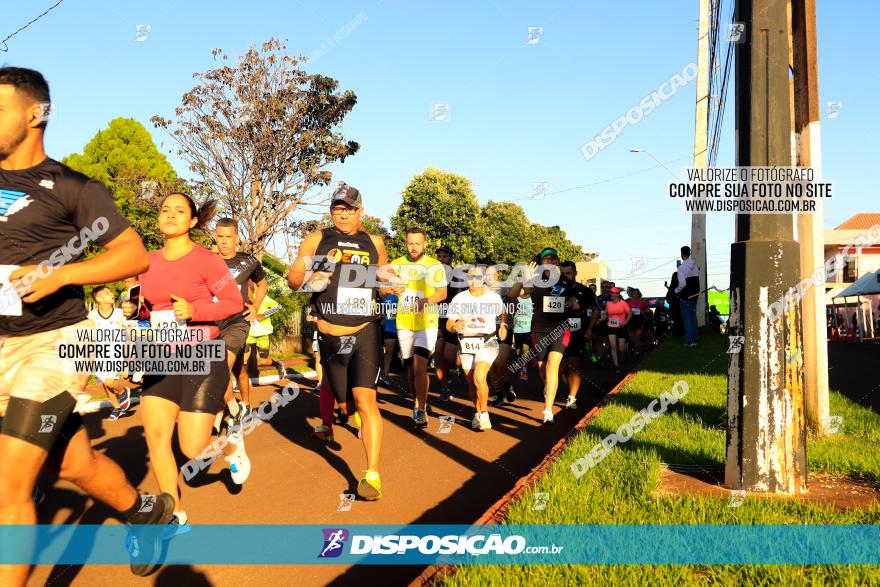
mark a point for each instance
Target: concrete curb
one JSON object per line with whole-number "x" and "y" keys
{"x": 497, "y": 512}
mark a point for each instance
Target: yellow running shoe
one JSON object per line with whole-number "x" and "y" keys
{"x": 370, "y": 487}
{"x": 357, "y": 420}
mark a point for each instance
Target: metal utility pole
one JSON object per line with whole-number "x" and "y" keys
{"x": 701, "y": 154}
{"x": 766, "y": 437}
{"x": 811, "y": 236}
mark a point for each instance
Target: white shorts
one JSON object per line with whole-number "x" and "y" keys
{"x": 409, "y": 339}
{"x": 487, "y": 355}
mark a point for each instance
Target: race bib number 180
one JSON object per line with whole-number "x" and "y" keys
{"x": 554, "y": 304}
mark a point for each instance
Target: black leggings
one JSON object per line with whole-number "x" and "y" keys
{"x": 352, "y": 360}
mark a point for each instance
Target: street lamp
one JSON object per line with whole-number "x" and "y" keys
{"x": 651, "y": 155}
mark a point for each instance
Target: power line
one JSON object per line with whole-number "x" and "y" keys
{"x": 5, "y": 48}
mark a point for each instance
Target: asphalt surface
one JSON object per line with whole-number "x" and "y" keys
{"x": 428, "y": 477}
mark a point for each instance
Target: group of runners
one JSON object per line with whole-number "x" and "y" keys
{"x": 474, "y": 318}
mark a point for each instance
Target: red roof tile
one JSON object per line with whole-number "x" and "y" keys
{"x": 860, "y": 222}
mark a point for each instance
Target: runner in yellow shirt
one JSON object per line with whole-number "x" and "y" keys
{"x": 421, "y": 284}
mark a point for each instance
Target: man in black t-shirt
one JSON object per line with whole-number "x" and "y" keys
{"x": 446, "y": 348}
{"x": 581, "y": 322}
{"x": 551, "y": 295}
{"x": 48, "y": 214}
{"x": 234, "y": 330}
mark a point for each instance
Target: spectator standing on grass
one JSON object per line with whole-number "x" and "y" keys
{"x": 688, "y": 289}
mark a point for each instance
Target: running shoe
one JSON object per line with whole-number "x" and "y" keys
{"x": 370, "y": 487}
{"x": 178, "y": 526}
{"x": 146, "y": 529}
{"x": 475, "y": 423}
{"x": 239, "y": 463}
{"x": 510, "y": 396}
{"x": 485, "y": 423}
{"x": 571, "y": 403}
{"x": 497, "y": 399}
{"x": 358, "y": 423}
{"x": 341, "y": 417}
{"x": 385, "y": 380}
{"x": 115, "y": 414}
{"x": 548, "y": 416}
{"x": 445, "y": 394}
{"x": 124, "y": 399}
{"x": 282, "y": 370}
{"x": 323, "y": 432}
{"x": 420, "y": 418}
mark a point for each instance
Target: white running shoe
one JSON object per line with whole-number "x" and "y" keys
{"x": 548, "y": 416}
{"x": 485, "y": 423}
{"x": 571, "y": 403}
{"x": 475, "y": 423}
{"x": 239, "y": 463}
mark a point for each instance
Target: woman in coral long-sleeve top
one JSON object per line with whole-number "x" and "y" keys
{"x": 179, "y": 291}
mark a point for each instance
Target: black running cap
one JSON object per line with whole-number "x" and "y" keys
{"x": 444, "y": 249}
{"x": 347, "y": 195}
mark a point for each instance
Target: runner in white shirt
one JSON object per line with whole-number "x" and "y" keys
{"x": 106, "y": 316}
{"x": 473, "y": 315}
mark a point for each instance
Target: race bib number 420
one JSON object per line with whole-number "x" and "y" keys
{"x": 353, "y": 301}
{"x": 554, "y": 304}
{"x": 165, "y": 319}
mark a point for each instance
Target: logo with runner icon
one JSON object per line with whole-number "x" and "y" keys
{"x": 47, "y": 423}
{"x": 11, "y": 202}
{"x": 334, "y": 542}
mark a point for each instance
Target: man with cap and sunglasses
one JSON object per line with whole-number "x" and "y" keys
{"x": 344, "y": 302}
{"x": 551, "y": 295}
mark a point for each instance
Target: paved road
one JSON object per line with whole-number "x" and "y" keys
{"x": 427, "y": 477}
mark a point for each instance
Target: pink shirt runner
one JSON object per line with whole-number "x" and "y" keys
{"x": 618, "y": 311}
{"x": 197, "y": 277}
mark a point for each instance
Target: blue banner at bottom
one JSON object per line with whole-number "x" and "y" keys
{"x": 451, "y": 544}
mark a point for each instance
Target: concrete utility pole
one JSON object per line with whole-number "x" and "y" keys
{"x": 810, "y": 231}
{"x": 701, "y": 154}
{"x": 766, "y": 437}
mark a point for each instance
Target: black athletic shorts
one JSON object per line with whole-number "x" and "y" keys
{"x": 389, "y": 335}
{"x": 192, "y": 393}
{"x": 576, "y": 344}
{"x": 543, "y": 343}
{"x": 636, "y": 322}
{"x": 352, "y": 360}
{"x": 521, "y": 339}
{"x": 619, "y": 332}
{"x": 38, "y": 422}
{"x": 234, "y": 332}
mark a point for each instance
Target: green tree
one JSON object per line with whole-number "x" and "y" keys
{"x": 259, "y": 135}
{"x": 510, "y": 232}
{"x": 444, "y": 205}
{"x": 124, "y": 157}
{"x": 553, "y": 236}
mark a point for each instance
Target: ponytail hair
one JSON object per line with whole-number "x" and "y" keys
{"x": 202, "y": 214}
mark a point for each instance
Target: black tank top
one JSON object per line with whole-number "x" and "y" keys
{"x": 347, "y": 306}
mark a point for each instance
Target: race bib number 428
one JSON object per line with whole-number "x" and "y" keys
{"x": 165, "y": 319}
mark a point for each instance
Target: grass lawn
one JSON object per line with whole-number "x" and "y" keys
{"x": 619, "y": 489}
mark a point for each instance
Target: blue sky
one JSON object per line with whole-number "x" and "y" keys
{"x": 518, "y": 112}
